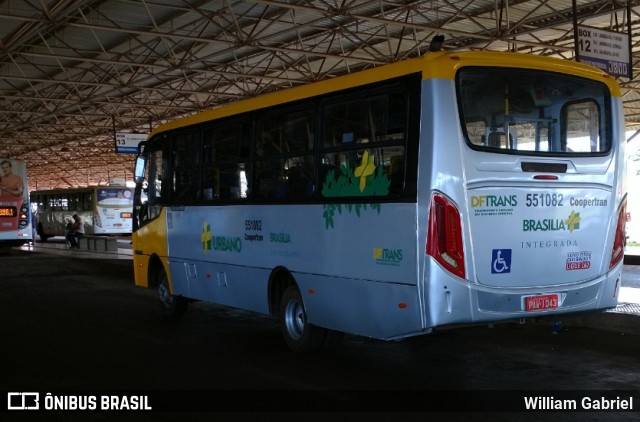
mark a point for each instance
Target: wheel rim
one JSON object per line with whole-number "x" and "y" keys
{"x": 164, "y": 294}
{"x": 294, "y": 319}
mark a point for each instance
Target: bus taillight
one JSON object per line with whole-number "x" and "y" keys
{"x": 444, "y": 240}
{"x": 23, "y": 217}
{"x": 617, "y": 253}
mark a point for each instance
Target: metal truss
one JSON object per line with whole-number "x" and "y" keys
{"x": 72, "y": 71}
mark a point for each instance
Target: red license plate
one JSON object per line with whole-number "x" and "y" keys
{"x": 540, "y": 302}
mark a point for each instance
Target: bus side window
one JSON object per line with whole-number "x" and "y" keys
{"x": 300, "y": 184}
{"x": 210, "y": 173}
{"x": 210, "y": 183}
{"x": 185, "y": 187}
{"x": 187, "y": 161}
{"x": 270, "y": 180}
{"x": 396, "y": 174}
{"x": 231, "y": 182}
{"x": 226, "y": 151}
{"x": 74, "y": 202}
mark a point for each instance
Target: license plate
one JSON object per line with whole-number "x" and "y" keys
{"x": 540, "y": 302}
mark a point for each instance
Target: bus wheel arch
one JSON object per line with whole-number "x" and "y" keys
{"x": 171, "y": 305}
{"x": 286, "y": 301}
{"x": 279, "y": 280}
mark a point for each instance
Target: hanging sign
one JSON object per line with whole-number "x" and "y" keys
{"x": 606, "y": 50}
{"x": 127, "y": 143}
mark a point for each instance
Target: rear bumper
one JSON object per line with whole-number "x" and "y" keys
{"x": 451, "y": 300}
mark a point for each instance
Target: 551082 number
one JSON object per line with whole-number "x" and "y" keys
{"x": 544, "y": 200}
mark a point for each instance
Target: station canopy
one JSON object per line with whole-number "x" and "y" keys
{"x": 75, "y": 71}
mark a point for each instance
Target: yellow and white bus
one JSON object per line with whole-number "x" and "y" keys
{"x": 15, "y": 212}
{"x": 454, "y": 188}
{"x": 104, "y": 210}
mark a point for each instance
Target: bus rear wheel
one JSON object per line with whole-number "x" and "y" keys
{"x": 41, "y": 233}
{"x": 299, "y": 335}
{"x": 172, "y": 306}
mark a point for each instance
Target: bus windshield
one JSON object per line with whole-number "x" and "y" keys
{"x": 510, "y": 110}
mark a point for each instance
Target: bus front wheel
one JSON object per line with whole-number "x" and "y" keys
{"x": 172, "y": 306}
{"x": 299, "y": 335}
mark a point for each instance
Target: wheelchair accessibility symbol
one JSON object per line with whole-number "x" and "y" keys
{"x": 500, "y": 261}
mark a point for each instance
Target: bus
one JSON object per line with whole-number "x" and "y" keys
{"x": 104, "y": 210}
{"x": 15, "y": 211}
{"x": 452, "y": 189}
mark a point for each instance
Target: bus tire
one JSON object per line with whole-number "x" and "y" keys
{"x": 299, "y": 335}
{"x": 40, "y": 231}
{"x": 172, "y": 306}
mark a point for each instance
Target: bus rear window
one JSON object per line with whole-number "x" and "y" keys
{"x": 533, "y": 112}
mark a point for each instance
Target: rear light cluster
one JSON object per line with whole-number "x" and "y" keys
{"x": 23, "y": 220}
{"x": 617, "y": 253}
{"x": 444, "y": 239}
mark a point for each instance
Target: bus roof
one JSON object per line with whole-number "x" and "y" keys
{"x": 442, "y": 65}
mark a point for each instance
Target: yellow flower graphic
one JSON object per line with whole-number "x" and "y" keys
{"x": 365, "y": 169}
{"x": 205, "y": 237}
{"x": 573, "y": 222}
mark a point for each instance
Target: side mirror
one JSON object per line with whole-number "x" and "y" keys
{"x": 138, "y": 171}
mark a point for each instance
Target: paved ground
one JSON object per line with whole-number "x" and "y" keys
{"x": 80, "y": 325}
{"x": 623, "y": 318}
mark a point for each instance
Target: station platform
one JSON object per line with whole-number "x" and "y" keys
{"x": 58, "y": 246}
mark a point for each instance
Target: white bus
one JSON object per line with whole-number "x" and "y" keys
{"x": 105, "y": 210}
{"x": 455, "y": 188}
{"x": 15, "y": 212}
